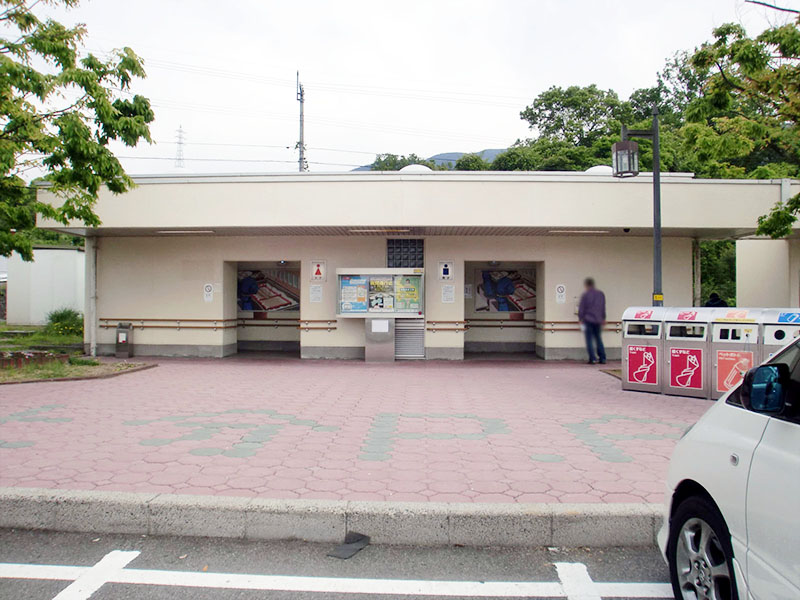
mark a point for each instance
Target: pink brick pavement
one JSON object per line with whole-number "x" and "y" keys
{"x": 492, "y": 431}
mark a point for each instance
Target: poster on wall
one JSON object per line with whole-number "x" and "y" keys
{"x": 505, "y": 291}
{"x": 268, "y": 289}
{"x": 353, "y": 293}
{"x": 381, "y": 293}
{"x": 407, "y": 293}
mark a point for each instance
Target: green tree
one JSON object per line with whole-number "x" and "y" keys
{"x": 58, "y": 114}
{"x": 718, "y": 269}
{"x": 576, "y": 115}
{"x": 472, "y": 162}
{"x": 393, "y": 162}
{"x": 745, "y": 124}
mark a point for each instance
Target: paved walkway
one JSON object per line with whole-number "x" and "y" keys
{"x": 417, "y": 431}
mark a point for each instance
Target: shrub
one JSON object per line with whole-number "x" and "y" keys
{"x": 64, "y": 321}
{"x": 83, "y": 362}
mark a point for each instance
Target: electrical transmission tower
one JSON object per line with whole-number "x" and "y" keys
{"x": 301, "y": 145}
{"x": 181, "y": 139}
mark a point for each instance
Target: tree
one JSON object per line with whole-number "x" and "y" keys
{"x": 472, "y": 162}
{"x": 393, "y": 162}
{"x": 550, "y": 154}
{"x": 58, "y": 114}
{"x": 745, "y": 124}
{"x": 576, "y": 115}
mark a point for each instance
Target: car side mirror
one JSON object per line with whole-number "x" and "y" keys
{"x": 765, "y": 388}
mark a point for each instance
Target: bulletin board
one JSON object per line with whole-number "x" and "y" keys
{"x": 387, "y": 293}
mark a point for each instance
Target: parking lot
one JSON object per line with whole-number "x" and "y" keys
{"x": 477, "y": 431}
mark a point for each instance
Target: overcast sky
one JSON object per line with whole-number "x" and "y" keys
{"x": 417, "y": 76}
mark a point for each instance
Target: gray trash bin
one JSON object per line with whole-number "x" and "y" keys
{"x": 735, "y": 346}
{"x": 124, "y": 341}
{"x": 686, "y": 350}
{"x": 642, "y": 348}
{"x": 779, "y": 327}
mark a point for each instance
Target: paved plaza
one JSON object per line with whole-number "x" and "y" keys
{"x": 473, "y": 431}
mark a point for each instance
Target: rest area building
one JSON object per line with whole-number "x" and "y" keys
{"x": 442, "y": 263}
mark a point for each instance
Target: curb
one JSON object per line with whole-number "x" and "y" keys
{"x": 328, "y": 521}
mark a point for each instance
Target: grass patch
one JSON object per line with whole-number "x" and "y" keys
{"x": 59, "y": 370}
{"x": 83, "y": 361}
{"x": 40, "y": 337}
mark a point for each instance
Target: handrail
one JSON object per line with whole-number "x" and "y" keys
{"x": 171, "y": 319}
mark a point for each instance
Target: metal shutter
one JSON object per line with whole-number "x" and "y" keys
{"x": 409, "y": 338}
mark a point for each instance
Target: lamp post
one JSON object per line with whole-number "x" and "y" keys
{"x": 625, "y": 163}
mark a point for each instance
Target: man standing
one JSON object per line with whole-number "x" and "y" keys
{"x": 592, "y": 315}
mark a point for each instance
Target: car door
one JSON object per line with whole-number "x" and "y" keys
{"x": 773, "y": 503}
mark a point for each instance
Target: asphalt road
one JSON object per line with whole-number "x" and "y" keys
{"x": 151, "y": 568}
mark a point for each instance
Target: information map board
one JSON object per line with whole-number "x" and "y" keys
{"x": 366, "y": 294}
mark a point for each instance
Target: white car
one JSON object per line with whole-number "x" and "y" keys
{"x": 732, "y": 524}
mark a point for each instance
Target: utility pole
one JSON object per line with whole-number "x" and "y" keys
{"x": 301, "y": 145}
{"x": 179, "y": 149}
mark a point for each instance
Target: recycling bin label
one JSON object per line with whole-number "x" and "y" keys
{"x": 731, "y": 367}
{"x": 643, "y": 364}
{"x": 686, "y": 368}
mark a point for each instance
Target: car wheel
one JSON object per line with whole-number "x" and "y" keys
{"x": 700, "y": 554}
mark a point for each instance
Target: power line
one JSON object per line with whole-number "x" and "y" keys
{"x": 238, "y": 160}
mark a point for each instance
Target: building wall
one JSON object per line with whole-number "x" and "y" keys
{"x": 163, "y": 278}
{"x": 55, "y": 279}
{"x": 768, "y": 273}
{"x": 622, "y": 268}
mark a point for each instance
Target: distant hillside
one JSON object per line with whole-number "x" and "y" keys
{"x": 451, "y": 157}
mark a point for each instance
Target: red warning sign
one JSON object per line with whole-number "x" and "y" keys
{"x": 686, "y": 368}
{"x": 643, "y": 364}
{"x": 731, "y": 367}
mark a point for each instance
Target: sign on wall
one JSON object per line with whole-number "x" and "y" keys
{"x": 269, "y": 289}
{"x": 315, "y": 293}
{"x": 448, "y": 294}
{"x": 686, "y": 368}
{"x": 208, "y": 292}
{"x": 319, "y": 270}
{"x": 446, "y": 270}
{"x": 643, "y": 364}
{"x": 731, "y": 367}
{"x": 561, "y": 294}
{"x": 505, "y": 291}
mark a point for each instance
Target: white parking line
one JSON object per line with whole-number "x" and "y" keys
{"x": 94, "y": 577}
{"x": 575, "y": 582}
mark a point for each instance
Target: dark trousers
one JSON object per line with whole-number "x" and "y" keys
{"x": 594, "y": 337}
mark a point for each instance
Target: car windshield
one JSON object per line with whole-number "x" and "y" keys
{"x": 790, "y": 356}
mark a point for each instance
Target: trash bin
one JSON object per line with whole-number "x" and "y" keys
{"x": 642, "y": 348}
{"x": 124, "y": 342}
{"x": 779, "y": 327}
{"x": 735, "y": 346}
{"x": 686, "y": 345}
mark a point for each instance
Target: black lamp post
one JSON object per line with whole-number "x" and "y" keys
{"x": 625, "y": 163}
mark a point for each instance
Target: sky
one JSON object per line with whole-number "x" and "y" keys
{"x": 416, "y": 76}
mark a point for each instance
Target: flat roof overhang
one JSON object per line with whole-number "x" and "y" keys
{"x": 431, "y": 204}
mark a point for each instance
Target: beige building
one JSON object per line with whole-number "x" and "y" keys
{"x": 208, "y": 265}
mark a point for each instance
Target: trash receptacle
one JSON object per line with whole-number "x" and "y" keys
{"x": 642, "y": 348}
{"x": 779, "y": 327}
{"x": 686, "y": 345}
{"x": 124, "y": 342}
{"x": 734, "y": 346}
